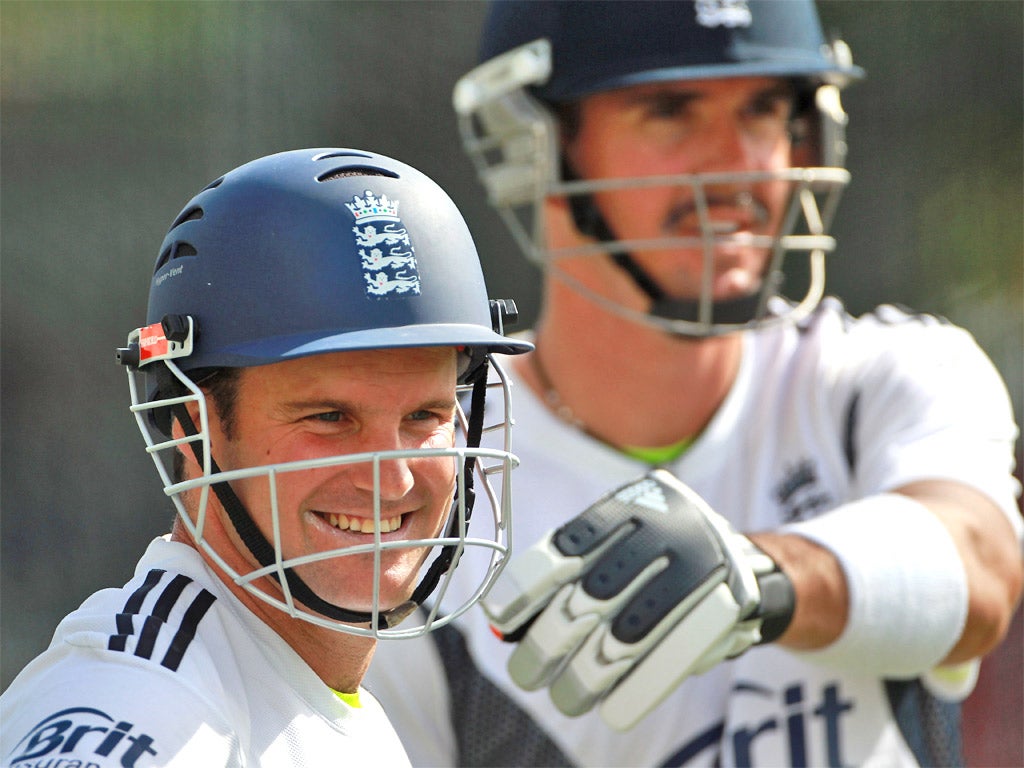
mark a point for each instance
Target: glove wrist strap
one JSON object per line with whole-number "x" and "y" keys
{"x": 778, "y": 602}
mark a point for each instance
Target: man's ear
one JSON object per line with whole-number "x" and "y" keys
{"x": 560, "y": 227}
{"x": 177, "y": 430}
{"x": 185, "y": 453}
{"x": 806, "y": 151}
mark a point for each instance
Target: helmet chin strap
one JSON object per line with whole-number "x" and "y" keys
{"x": 263, "y": 551}
{"x": 731, "y": 311}
{"x": 591, "y": 223}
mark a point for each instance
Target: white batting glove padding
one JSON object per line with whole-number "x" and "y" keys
{"x": 645, "y": 588}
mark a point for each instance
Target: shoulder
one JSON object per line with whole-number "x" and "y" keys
{"x": 169, "y": 617}
{"x": 885, "y": 325}
{"x": 82, "y": 704}
{"x": 135, "y": 671}
{"x": 888, "y": 340}
{"x": 832, "y": 321}
{"x": 911, "y": 364}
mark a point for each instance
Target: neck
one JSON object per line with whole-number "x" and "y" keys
{"x": 627, "y": 384}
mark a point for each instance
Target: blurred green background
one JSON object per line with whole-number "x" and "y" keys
{"x": 113, "y": 114}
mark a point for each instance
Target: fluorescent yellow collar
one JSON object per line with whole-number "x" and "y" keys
{"x": 352, "y": 699}
{"x": 661, "y": 455}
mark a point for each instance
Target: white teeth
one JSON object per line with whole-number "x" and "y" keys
{"x": 724, "y": 227}
{"x": 363, "y": 524}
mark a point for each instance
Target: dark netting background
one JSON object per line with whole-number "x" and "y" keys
{"x": 114, "y": 114}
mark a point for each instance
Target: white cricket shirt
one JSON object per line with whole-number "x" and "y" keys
{"x": 172, "y": 670}
{"x": 833, "y": 411}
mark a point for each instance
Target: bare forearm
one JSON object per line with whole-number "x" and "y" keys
{"x": 822, "y": 601}
{"x": 988, "y": 552}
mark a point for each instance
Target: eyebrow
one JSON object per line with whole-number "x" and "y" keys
{"x": 438, "y": 405}
{"x": 319, "y": 404}
{"x": 663, "y": 93}
{"x": 682, "y": 94}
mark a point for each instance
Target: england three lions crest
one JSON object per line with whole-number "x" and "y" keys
{"x": 723, "y": 13}
{"x": 385, "y": 250}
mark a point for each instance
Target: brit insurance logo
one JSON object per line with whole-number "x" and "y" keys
{"x": 385, "y": 250}
{"x": 85, "y": 737}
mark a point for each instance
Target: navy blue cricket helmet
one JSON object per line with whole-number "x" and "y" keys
{"x": 322, "y": 250}
{"x": 599, "y": 45}
{"x": 538, "y": 55}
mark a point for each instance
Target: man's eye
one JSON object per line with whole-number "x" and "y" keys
{"x": 441, "y": 417}
{"x": 327, "y": 416}
{"x": 777, "y": 107}
{"x": 668, "y": 108}
{"x": 423, "y": 415}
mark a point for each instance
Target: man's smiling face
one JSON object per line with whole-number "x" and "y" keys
{"x": 335, "y": 404}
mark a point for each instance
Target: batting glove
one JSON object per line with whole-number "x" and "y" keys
{"x": 643, "y": 589}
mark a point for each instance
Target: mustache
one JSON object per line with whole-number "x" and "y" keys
{"x": 753, "y": 211}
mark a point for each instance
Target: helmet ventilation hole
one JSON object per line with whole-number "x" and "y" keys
{"x": 175, "y": 251}
{"x": 361, "y": 170}
{"x": 341, "y": 153}
{"x": 189, "y": 214}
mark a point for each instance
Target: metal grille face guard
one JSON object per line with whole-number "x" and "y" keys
{"x": 512, "y": 140}
{"x": 487, "y": 463}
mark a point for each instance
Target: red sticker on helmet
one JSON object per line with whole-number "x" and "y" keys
{"x": 152, "y": 342}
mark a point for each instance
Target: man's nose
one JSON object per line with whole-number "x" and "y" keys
{"x": 393, "y": 476}
{"x": 726, "y": 146}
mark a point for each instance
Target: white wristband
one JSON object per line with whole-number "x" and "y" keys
{"x": 907, "y": 585}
